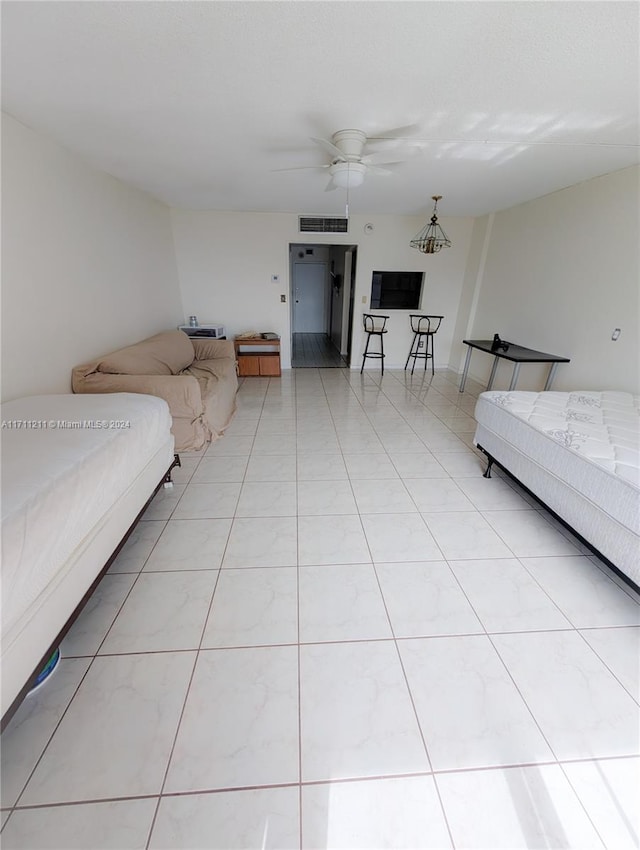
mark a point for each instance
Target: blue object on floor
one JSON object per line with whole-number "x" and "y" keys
{"x": 46, "y": 671}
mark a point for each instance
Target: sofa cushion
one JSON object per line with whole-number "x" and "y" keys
{"x": 166, "y": 353}
{"x": 218, "y": 383}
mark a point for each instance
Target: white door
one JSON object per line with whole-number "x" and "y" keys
{"x": 309, "y": 298}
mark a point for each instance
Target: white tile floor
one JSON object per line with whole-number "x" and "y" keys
{"x": 334, "y": 632}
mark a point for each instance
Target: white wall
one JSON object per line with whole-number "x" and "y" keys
{"x": 226, "y": 259}
{"x": 87, "y": 264}
{"x": 561, "y": 273}
{"x": 471, "y": 288}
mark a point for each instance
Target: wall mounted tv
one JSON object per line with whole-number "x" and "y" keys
{"x": 396, "y": 290}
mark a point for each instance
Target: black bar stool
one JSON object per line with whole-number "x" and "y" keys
{"x": 423, "y": 327}
{"x": 374, "y": 326}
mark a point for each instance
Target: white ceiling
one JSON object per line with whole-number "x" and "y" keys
{"x": 199, "y": 103}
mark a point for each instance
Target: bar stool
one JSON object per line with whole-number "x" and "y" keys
{"x": 374, "y": 326}
{"x": 423, "y": 327}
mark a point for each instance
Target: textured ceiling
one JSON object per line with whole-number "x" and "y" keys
{"x": 199, "y": 103}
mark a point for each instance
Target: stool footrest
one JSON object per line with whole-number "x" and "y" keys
{"x": 417, "y": 354}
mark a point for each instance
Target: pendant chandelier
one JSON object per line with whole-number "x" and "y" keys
{"x": 432, "y": 237}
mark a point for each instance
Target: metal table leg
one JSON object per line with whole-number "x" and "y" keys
{"x": 552, "y": 372}
{"x": 466, "y": 369}
{"x": 493, "y": 372}
{"x": 514, "y": 377}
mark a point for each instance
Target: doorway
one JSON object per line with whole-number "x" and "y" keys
{"x": 322, "y": 279}
{"x": 310, "y": 300}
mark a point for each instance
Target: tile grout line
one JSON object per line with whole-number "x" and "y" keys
{"x": 475, "y": 769}
{"x": 547, "y": 741}
{"x": 187, "y": 693}
{"x": 430, "y": 637}
{"x": 578, "y": 628}
{"x": 298, "y": 650}
{"x": 408, "y": 688}
{"x": 414, "y": 708}
{"x": 574, "y": 629}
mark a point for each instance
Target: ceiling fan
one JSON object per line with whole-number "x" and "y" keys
{"x": 349, "y": 165}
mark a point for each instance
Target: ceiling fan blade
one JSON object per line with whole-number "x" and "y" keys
{"x": 374, "y": 160}
{"x": 381, "y": 172}
{"x": 330, "y": 148}
{"x": 377, "y": 157}
{"x": 330, "y": 187}
{"x": 302, "y": 168}
{"x": 396, "y": 132}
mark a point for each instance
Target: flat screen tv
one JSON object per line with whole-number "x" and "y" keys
{"x": 396, "y": 290}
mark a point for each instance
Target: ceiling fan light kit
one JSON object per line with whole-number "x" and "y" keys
{"x": 347, "y": 175}
{"x": 432, "y": 237}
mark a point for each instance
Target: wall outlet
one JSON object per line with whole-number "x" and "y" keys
{"x": 421, "y": 344}
{"x": 283, "y": 299}
{"x": 615, "y": 334}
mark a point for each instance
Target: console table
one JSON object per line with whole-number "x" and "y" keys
{"x": 258, "y": 356}
{"x": 517, "y": 354}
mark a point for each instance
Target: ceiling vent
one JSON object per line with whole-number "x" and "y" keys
{"x": 318, "y": 224}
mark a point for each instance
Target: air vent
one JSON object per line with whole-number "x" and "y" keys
{"x": 317, "y": 224}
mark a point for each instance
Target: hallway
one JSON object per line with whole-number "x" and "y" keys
{"x": 315, "y": 350}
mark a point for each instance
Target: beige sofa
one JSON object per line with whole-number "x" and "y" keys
{"x": 196, "y": 377}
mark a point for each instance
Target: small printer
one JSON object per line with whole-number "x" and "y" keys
{"x": 203, "y": 331}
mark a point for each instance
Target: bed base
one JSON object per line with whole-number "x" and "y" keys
{"x": 31, "y": 681}
{"x": 487, "y": 474}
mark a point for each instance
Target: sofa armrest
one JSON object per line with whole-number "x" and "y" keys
{"x": 212, "y": 349}
{"x": 181, "y": 392}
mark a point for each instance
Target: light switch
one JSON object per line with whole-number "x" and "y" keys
{"x": 275, "y": 278}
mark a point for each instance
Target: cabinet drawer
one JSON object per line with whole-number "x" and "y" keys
{"x": 248, "y": 364}
{"x": 270, "y": 365}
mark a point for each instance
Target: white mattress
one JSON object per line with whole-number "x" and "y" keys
{"x": 58, "y": 482}
{"x": 588, "y": 442}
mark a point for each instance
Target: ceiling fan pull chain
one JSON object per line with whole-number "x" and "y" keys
{"x": 346, "y": 209}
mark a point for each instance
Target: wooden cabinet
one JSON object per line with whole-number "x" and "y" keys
{"x": 258, "y": 357}
{"x": 248, "y": 364}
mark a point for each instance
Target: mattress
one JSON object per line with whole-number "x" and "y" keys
{"x": 588, "y": 443}
{"x": 66, "y": 460}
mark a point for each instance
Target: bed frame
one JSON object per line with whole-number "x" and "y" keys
{"x": 577, "y": 454}
{"x": 165, "y": 481}
{"x": 487, "y": 474}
